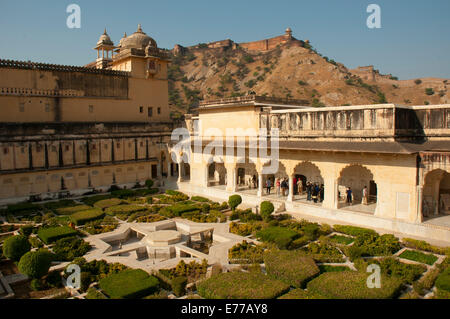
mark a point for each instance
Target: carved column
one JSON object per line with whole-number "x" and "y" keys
{"x": 290, "y": 197}
{"x": 260, "y": 184}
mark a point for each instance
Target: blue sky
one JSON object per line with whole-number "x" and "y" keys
{"x": 414, "y": 40}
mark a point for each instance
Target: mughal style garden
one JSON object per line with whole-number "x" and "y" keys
{"x": 149, "y": 242}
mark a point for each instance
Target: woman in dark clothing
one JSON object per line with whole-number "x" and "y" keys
{"x": 308, "y": 191}
{"x": 321, "y": 193}
{"x": 315, "y": 193}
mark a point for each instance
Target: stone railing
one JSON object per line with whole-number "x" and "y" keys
{"x": 255, "y": 99}
{"x": 56, "y": 67}
{"x": 39, "y": 92}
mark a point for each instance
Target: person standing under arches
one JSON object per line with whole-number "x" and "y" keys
{"x": 349, "y": 196}
{"x": 365, "y": 196}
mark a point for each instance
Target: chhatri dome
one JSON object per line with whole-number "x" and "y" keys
{"x": 138, "y": 40}
{"x": 104, "y": 39}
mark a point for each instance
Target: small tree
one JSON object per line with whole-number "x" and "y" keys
{"x": 35, "y": 264}
{"x": 234, "y": 201}
{"x": 179, "y": 285}
{"x": 429, "y": 91}
{"x": 266, "y": 209}
{"x": 15, "y": 247}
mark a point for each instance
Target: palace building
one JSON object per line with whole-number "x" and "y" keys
{"x": 67, "y": 129}
{"x": 399, "y": 153}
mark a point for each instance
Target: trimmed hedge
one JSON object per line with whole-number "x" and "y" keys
{"x": 418, "y": 256}
{"x": 23, "y": 209}
{"x": 300, "y": 294}
{"x": 240, "y": 285}
{"x": 130, "y": 284}
{"x": 266, "y": 209}
{"x": 93, "y": 293}
{"x": 105, "y": 203}
{"x": 423, "y": 245}
{"x": 83, "y": 217}
{"x": 443, "y": 281}
{"x": 91, "y": 200}
{"x": 67, "y": 249}
{"x": 35, "y": 264}
{"x": 124, "y": 209}
{"x": 49, "y": 235}
{"x": 353, "y": 230}
{"x": 234, "y": 201}
{"x": 282, "y": 237}
{"x": 15, "y": 247}
{"x": 291, "y": 267}
{"x": 353, "y": 285}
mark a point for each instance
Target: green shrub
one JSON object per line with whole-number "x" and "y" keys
{"x": 418, "y": 256}
{"x": 175, "y": 193}
{"x": 234, "y": 201}
{"x": 280, "y": 236}
{"x": 71, "y": 210}
{"x": 291, "y": 267}
{"x": 149, "y": 183}
{"x": 85, "y": 216}
{"x": 179, "y": 286}
{"x": 66, "y": 249}
{"x": 242, "y": 229}
{"x": 330, "y": 268}
{"x": 130, "y": 283}
{"x": 353, "y": 230}
{"x": 429, "y": 91}
{"x": 353, "y": 285}
{"x": 91, "y": 200}
{"x": 15, "y": 247}
{"x": 105, "y": 203}
{"x": 124, "y": 209}
{"x": 343, "y": 240}
{"x": 311, "y": 231}
{"x": 423, "y": 245}
{"x": 53, "y": 279}
{"x": 93, "y": 293}
{"x": 443, "y": 280}
{"x": 49, "y": 235}
{"x": 181, "y": 208}
{"x": 374, "y": 245}
{"x": 300, "y": 294}
{"x": 36, "y": 284}
{"x": 246, "y": 253}
{"x": 323, "y": 252}
{"x": 199, "y": 199}
{"x": 22, "y": 209}
{"x": 240, "y": 285}
{"x": 35, "y": 264}
{"x": 26, "y": 230}
{"x": 60, "y": 204}
{"x": 123, "y": 193}
{"x": 35, "y": 242}
{"x": 266, "y": 209}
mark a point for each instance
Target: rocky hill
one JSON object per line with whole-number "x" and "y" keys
{"x": 289, "y": 68}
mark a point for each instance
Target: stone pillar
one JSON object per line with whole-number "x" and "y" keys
{"x": 169, "y": 170}
{"x": 290, "y": 197}
{"x": 180, "y": 177}
{"x": 419, "y": 218}
{"x": 231, "y": 178}
{"x": 260, "y": 184}
{"x": 331, "y": 191}
{"x": 158, "y": 170}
